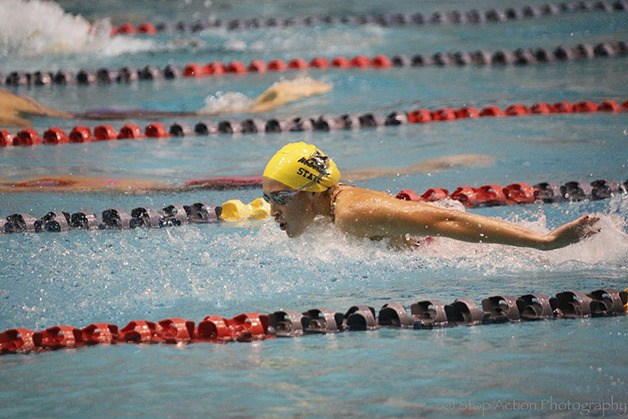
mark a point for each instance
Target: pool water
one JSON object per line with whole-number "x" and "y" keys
{"x": 549, "y": 368}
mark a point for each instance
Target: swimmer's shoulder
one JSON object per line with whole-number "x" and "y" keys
{"x": 348, "y": 194}
{"x": 365, "y": 213}
{"x": 354, "y": 208}
{"x": 353, "y": 204}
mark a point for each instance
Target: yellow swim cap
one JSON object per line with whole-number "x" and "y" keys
{"x": 302, "y": 166}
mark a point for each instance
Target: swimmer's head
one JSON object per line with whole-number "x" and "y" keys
{"x": 303, "y": 167}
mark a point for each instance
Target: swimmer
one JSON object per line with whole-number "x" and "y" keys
{"x": 301, "y": 183}
{"x": 15, "y": 110}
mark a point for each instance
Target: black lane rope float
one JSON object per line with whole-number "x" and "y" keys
{"x": 248, "y": 327}
{"x": 235, "y": 210}
{"x": 83, "y": 134}
{"x": 455, "y": 17}
{"x": 502, "y": 57}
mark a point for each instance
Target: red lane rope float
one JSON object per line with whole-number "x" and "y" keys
{"x": 519, "y": 193}
{"x": 82, "y": 134}
{"x": 204, "y": 213}
{"x": 522, "y": 56}
{"x": 401, "y": 19}
{"x": 247, "y": 327}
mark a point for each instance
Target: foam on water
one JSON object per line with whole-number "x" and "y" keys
{"x": 31, "y": 28}
{"x": 116, "y": 275}
{"x": 324, "y": 246}
{"x": 222, "y": 102}
{"x": 304, "y": 41}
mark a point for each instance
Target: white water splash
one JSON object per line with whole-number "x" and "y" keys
{"x": 31, "y": 28}
{"x": 327, "y": 246}
{"x": 113, "y": 275}
{"x": 336, "y": 41}
{"x": 223, "y": 102}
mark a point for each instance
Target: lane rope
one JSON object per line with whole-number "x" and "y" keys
{"x": 235, "y": 210}
{"x": 130, "y": 131}
{"x": 455, "y": 17}
{"x": 501, "y": 57}
{"x": 249, "y": 326}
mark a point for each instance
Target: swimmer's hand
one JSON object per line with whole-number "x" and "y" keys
{"x": 287, "y": 91}
{"x": 15, "y": 110}
{"x": 572, "y": 232}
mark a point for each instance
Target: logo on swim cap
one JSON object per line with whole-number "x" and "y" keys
{"x": 302, "y": 166}
{"x": 317, "y": 162}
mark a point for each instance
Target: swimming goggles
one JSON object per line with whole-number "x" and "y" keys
{"x": 283, "y": 197}
{"x": 280, "y": 197}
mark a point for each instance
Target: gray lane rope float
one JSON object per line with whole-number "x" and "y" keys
{"x": 455, "y": 17}
{"x": 83, "y": 134}
{"x": 250, "y": 326}
{"x": 502, "y": 57}
{"x": 205, "y": 213}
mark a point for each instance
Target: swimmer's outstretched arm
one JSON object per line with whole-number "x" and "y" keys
{"x": 372, "y": 214}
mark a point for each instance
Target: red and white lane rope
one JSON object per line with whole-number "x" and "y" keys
{"x": 247, "y": 327}
{"x": 454, "y": 17}
{"x": 131, "y": 131}
{"x": 502, "y": 57}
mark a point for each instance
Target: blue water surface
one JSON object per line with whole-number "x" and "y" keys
{"x": 561, "y": 368}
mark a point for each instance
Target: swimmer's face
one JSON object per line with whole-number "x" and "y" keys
{"x": 297, "y": 212}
